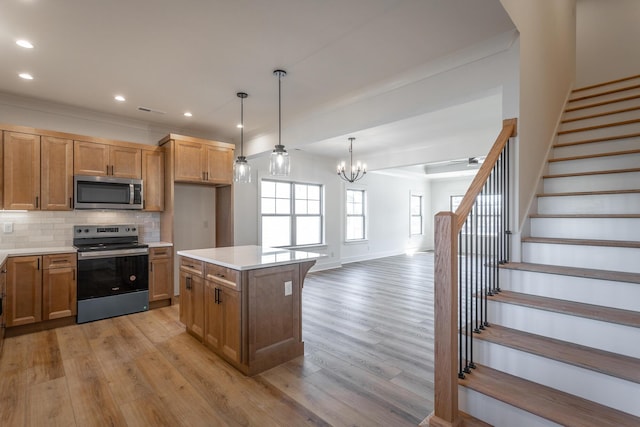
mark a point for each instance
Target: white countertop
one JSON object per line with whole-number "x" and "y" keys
{"x": 158, "y": 244}
{"x": 249, "y": 257}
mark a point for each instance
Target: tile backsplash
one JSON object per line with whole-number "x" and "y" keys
{"x": 52, "y": 229}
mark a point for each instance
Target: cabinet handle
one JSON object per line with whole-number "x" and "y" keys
{"x": 107, "y": 169}
{"x": 207, "y": 174}
{"x": 38, "y": 264}
{"x": 37, "y": 201}
{"x": 188, "y": 285}
{"x": 70, "y": 202}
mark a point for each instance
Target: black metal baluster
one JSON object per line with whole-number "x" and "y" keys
{"x": 467, "y": 300}
{"x": 508, "y": 202}
{"x": 460, "y": 325}
{"x": 474, "y": 276}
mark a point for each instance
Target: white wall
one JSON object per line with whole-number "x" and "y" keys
{"x": 441, "y": 192}
{"x": 608, "y": 33}
{"x": 547, "y": 70}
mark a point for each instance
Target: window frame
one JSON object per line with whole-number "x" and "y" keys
{"x": 364, "y": 215}
{"x": 411, "y": 215}
{"x": 292, "y": 215}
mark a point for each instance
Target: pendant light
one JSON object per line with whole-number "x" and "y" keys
{"x": 279, "y": 162}
{"x": 241, "y": 169}
{"x": 356, "y": 171}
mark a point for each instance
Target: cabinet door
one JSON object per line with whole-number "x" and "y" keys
{"x": 56, "y": 174}
{"x": 21, "y": 171}
{"x": 196, "y": 323}
{"x": 3, "y": 302}
{"x": 125, "y": 162}
{"x": 58, "y": 293}
{"x": 1, "y": 170}
{"x": 153, "y": 180}
{"x": 90, "y": 158}
{"x": 185, "y": 297}
{"x": 160, "y": 275}
{"x": 219, "y": 169}
{"x": 189, "y": 161}
{"x": 229, "y": 303}
{"x": 24, "y": 290}
{"x": 212, "y": 316}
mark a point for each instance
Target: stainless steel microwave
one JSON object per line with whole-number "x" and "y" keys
{"x": 104, "y": 192}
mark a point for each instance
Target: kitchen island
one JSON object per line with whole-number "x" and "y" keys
{"x": 244, "y": 302}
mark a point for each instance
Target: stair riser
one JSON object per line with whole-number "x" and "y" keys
{"x": 597, "y": 257}
{"x": 627, "y": 161}
{"x": 609, "y": 97}
{"x": 601, "y": 182}
{"x": 607, "y": 108}
{"x": 497, "y": 413}
{"x": 608, "y": 132}
{"x": 604, "y": 389}
{"x": 591, "y": 204}
{"x": 602, "y": 120}
{"x": 591, "y": 333}
{"x": 622, "y": 295}
{"x": 587, "y": 228}
{"x": 609, "y": 146}
{"x": 606, "y": 88}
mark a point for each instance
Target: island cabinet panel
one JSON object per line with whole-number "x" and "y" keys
{"x": 274, "y": 316}
{"x": 222, "y": 320}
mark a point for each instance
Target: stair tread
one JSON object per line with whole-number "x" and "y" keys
{"x": 593, "y": 156}
{"x": 600, "y": 126}
{"x": 589, "y": 311}
{"x": 604, "y": 362}
{"x": 607, "y": 92}
{"x": 593, "y": 140}
{"x": 546, "y": 402}
{"x": 601, "y": 103}
{"x": 589, "y": 193}
{"x": 583, "y": 242}
{"x": 587, "y": 273}
{"x": 603, "y": 114}
{"x": 590, "y": 173}
{"x": 584, "y": 215}
{"x": 607, "y": 83}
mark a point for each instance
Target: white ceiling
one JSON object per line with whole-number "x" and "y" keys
{"x": 194, "y": 55}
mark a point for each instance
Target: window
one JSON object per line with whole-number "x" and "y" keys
{"x": 291, "y": 213}
{"x": 416, "y": 214}
{"x": 489, "y": 207}
{"x": 356, "y": 211}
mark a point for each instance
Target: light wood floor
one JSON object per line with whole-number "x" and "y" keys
{"x": 368, "y": 332}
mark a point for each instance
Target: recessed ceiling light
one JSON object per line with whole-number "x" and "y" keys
{"x": 26, "y": 76}
{"x": 188, "y": 114}
{"x": 25, "y": 44}
{"x": 119, "y": 98}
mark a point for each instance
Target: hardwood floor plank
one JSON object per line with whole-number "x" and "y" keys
{"x": 13, "y": 397}
{"x": 72, "y": 342}
{"x": 49, "y": 404}
{"x": 148, "y": 411}
{"x": 46, "y": 362}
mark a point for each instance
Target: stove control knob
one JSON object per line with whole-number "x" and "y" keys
{"x": 79, "y": 230}
{"x": 133, "y": 229}
{"x": 86, "y": 230}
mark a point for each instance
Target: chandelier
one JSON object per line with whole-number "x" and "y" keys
{"x": 241, "y": 169}
{"x": 279, "y": 162}
{"x": 356, "y": 171}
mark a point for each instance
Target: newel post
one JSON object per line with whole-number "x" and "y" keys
{"x": 445, "y": 412}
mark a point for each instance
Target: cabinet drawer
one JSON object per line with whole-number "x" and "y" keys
{"x": 163, "y": 252}
{"x": 191, "y": 265}
{"x": 223, "y": 276}
{"x": 59, "y": 261}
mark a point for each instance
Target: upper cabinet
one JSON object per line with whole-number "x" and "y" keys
{"x": 56, "y": 175}
{"x": 203, "y": 162}
{"x": 92, "y": 158}
{"x": 153, "y": 179}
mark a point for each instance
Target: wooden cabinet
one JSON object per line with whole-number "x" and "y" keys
{"x": 38, "y": 172}
{"x": 160, "y": 273}
{"x": 3, "y": 302}
{"x": 153, "y": 179}
{"x": 21, "y": 171}
{"x": 59, "y": 298}
{"x": 192, "y": 296}
{"x": 222, "y": 332}
{"x": 56, "y": 173}
{"x": 24, "y": 290}
{"x": 40, "y": 288}
{"x": 91, "y": 158}
{"x": 203, "y": 163}
{"x": 1, "y": 170}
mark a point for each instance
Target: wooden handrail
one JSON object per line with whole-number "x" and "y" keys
{"x": 508, "y": 130}
{"x": 446, "y": 228}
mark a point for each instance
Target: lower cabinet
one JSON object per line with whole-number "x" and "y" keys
{"x": 3, "y": 302}
{"x": 222, "y": 320}
{"x": 40, "y": 288}
{"x": 160, "y": 273}
{"x": 192, "y": 297}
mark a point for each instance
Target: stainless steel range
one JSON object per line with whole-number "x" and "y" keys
{"x": 112, "y": 271}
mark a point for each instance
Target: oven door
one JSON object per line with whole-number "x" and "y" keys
{"x": 107, "y": 273}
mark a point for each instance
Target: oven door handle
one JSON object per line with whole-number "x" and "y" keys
{"x": 113, "y": 253}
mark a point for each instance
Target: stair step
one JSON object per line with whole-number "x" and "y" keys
{"x": 598, "y": 180}
{"x": 604, "y": 84}
{"x": 546, "y": 402}
{"x": 603, "y": 172}
{"x": 591, "y": 156}
{"x": 620, "y": 202}
{"x": 627, "y": 159}
{"x": 628, "y": 124}
{"x": 600, "y": 110}
{"x": 604, "y": 362}
{"x": 602, "y": 114}
{"x": 595, "y": 147}
{"x": 592, "y": 140}
{"x": 588, "y": 215}
{"x": 604, "y": 93}
{"x": 583, "y": 242}
{"x": 602, "y": 123}
{"x": 588, "y": 193}
{"x": 587, "y": 273}
{"x": 589, "y": 311}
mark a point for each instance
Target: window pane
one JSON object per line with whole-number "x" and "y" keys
{"x": 301, "y": 207}
{"x": 301, "y": 191}
{"x": 355, "y": 228}
{"x": 268, "y": 189}
{"x": 313, "y": 207}
{"x": 283, "y": 206}
{"x": 416, "y": 225}
{"x": 276, "y": 231}
{"x": 283, "y": 190}
{"x": 268, "y": 206}
{"x": 313, "y": 192}
{"x": 416, "y": 205}
{"x": 308, "y": 230}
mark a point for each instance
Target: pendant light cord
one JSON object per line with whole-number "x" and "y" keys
{"x": 241, "y": 126}
{"x": 279, "y": 108}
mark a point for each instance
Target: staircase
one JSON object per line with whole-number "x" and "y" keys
{"x": 564, "y": 343}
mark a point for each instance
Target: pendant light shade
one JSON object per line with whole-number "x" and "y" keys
{"x": 279, "y": 164}
{"x": 241, "y": 169}
{"x": 355, "y": 171}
